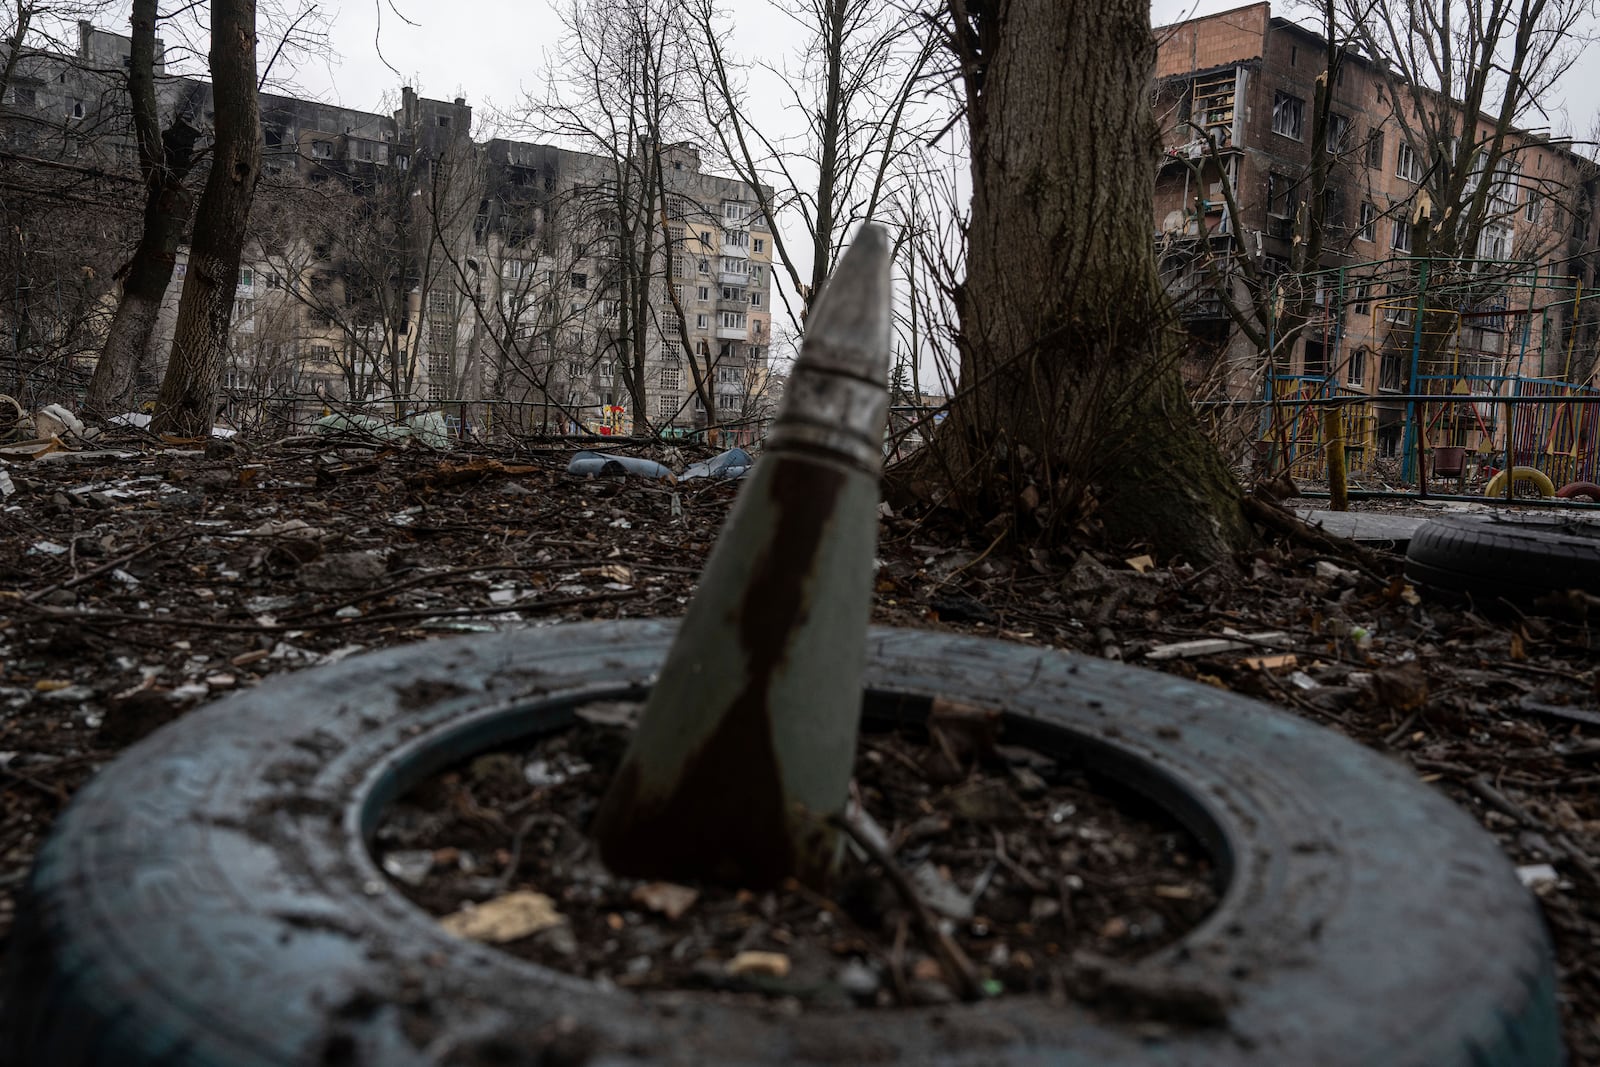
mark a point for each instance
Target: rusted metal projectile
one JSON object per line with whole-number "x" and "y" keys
{"x": 746, "y": 744}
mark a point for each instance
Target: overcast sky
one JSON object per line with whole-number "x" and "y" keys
{"x": 490, "y": 51}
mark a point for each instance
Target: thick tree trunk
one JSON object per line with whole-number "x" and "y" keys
{"x": 164, "y": 160}
{"x": 189, "y": 389}
{"x": 1069, "y": 349}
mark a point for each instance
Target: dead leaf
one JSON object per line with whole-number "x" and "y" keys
{"x": 1283, "y": 662}
{"x": 758, "y": 965}
{"x": 666, "y": 898}
{"x": 508, "y": 918}
{"x": 1403, "y": 688}
{"x": 1142, "y": 564}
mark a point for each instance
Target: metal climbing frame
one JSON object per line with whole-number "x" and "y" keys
{"x": 1384, "y": 337}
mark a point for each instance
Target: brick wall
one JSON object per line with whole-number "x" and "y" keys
{"x": 1212, "y": 41}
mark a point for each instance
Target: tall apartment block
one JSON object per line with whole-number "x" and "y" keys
{"x": 394, "y": 259}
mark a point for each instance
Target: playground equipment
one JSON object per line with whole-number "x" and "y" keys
{"x": 1439, "y": 370}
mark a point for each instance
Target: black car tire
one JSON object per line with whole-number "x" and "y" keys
{"x": 1501, "y": 556}
{"x": 209, "y": 898}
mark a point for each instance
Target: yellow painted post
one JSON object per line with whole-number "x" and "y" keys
{"x": 1333, "y": 441}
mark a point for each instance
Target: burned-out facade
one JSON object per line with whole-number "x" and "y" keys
{"x": 1235, "y": 98}
{"x": 393, "y": 259}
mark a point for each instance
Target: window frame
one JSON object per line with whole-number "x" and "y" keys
{"x": 1402, "y": 237}
{"x": 1367, "y": 230}
{"x": 1288, "y": 115}
{"x": 1413, "y": 172}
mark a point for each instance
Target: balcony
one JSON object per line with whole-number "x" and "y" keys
{"x": 733, "y": 277}
{"x": 730, "y": 333}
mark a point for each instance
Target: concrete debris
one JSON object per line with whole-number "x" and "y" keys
{"x": 1211, "y": 646}
{"x": 345, "y": 570}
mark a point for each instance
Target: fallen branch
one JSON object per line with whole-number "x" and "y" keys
{"x": 1280, "y": 521}
{"x": 126, "y": 557}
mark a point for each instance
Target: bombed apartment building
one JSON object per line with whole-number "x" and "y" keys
{"x": 1377, "y": 312}
{"x": 395, "y": 263}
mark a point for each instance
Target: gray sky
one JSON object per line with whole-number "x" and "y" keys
{"x": 490, "y": 51}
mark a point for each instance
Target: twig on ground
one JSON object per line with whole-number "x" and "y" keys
{"x": 179, "y": 622}
{"x": 954, "y": 962}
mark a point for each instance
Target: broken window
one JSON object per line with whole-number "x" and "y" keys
{"x": 1375, "y": 149}
{"x": 1368, "y": 230}
{"x": 1338, "y": 133}
{"x": 1356, "y": 369}
{"x": 1406, "y": 164}
{"x": 1288, "y": 115}
{"x": 1279, "y": 189}
{"x": 1401, "y": 240}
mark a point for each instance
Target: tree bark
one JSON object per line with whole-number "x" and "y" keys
{"x": 1069, "y": 348}
{"x": 187, "y": 401}
{"x": 164, "y": 160}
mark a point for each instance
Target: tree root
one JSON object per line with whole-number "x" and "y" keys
{"x": 1281, "y": 521}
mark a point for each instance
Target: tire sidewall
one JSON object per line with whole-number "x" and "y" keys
{"x": 210, "y": 899}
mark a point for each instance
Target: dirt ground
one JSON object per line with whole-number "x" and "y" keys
{"x": 136, "y": 586}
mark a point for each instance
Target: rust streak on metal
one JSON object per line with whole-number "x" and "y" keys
{"x": 752, "y": 846}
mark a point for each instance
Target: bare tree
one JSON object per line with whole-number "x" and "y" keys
{"x": 861, "y": 65}
{"x": 165, "y": 159}
{"x": 188, "y": 394}
{"x": 1465, "y": 80}
{"x": 66, "y": 198}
